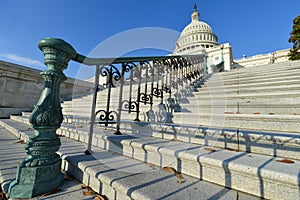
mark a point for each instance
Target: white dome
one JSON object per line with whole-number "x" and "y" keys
{"x": 196, "y": 26}
{"x": 196, "y": 34}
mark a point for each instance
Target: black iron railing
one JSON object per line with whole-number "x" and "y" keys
{"x": 146, "y": 79}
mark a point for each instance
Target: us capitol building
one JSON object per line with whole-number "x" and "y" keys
{"x": 198, "y": 38}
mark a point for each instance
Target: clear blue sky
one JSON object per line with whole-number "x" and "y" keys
{"x": 250, "y": 26}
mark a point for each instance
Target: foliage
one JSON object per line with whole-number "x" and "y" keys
{"x": 295, "y": 39}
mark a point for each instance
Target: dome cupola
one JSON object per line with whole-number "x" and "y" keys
{"x": 195, "y": 15}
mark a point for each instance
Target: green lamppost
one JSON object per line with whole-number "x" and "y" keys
{"x": 40, "y": 171}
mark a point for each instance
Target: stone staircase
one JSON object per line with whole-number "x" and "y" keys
{"x": 257, "y": 98}
{"x": 109, "y": 171}
{"x": 239, "y": 130}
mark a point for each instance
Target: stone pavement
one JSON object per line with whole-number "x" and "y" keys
{"x": 115, "y": 176}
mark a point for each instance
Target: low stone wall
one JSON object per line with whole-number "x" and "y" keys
{"x": 20, "y": 88}
{"x": 263, "y": 59}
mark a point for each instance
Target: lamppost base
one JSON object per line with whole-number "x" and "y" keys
{"x": 34, "y": 181}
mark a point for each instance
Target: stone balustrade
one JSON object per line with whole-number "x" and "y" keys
{"x": 20, "y": 88}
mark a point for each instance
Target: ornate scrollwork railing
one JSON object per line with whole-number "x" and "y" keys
{"x": 147, "y": 79}
{"x": 137, "y": 82}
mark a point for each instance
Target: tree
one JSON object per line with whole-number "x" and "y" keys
{"x": 295, "y": 39}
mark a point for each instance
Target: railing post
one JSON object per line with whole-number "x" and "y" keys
{"x": 93, "y": 112}
{"x": 40, "y": 171}
{"x": 205, "y": 66}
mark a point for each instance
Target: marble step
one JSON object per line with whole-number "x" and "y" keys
{"x": 255, "y": 121}
{"x": 268, "y": 100}
{"x": 268, "y": 67}
{"x": 280, "y": 144}
{"x": 259, "y": 121}
{"x": 272, "y": 97}
{"x": 248, "y": 88}
{"x": 285, "y": 123}
{"x": 217, "y": 87}
{"x": 281, "y": 79}
{"x": 250, "y": 74}
{"x": 205, "y": 92}
{"x": 248, "y": 108}
{"x": 255, "y": 81}
{"x": 263, "y": 108}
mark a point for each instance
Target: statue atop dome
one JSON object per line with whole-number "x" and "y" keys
{"x": 195, "y": 15}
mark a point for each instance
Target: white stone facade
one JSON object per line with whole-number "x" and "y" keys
{"x": 262, "y": 59}
{"x": 198, "y": 38}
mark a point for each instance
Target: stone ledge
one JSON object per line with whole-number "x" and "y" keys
{"x": 282, "y": 144}
{"x": 5, "y": 112}
{"x": 238, "y": 171}
{"x": 16, "y": 79}
{"x": 122, "y": 178}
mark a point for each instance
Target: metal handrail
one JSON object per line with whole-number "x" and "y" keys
{"x": 118, "y": 60}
